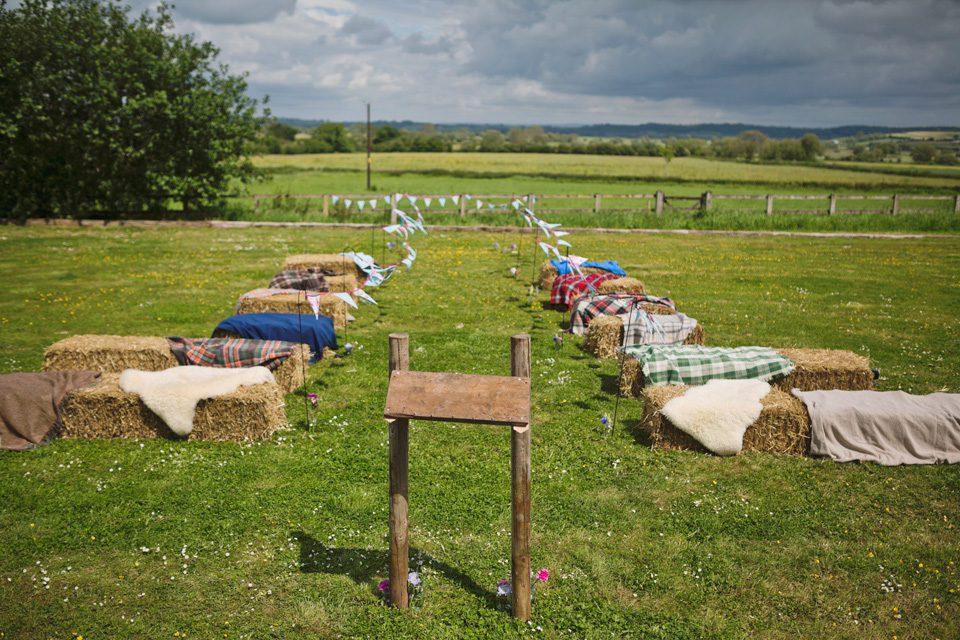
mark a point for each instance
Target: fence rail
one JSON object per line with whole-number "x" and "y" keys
{"x": 657, "y": 203}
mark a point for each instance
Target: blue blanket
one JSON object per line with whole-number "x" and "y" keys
{"x": 291, "y": 327}
{"x": 563, "y": 267}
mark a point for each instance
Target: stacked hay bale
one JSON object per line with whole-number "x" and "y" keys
{"x": 814, "y": 369}
{"x": 104, "y": 410}
{"x": 783, "y": 426}
{"x": 548, "y": 273}
{"x": 331, "y": 261}
{"x": 621, "y": 285}
{"x": 605, "y": 333}
{"x": 329, "y": 306}
{"x": 114, "y": 354}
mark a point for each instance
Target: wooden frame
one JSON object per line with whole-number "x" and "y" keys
{"x": 474, "y": 399}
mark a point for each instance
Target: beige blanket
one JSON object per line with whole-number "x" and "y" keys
{"x": 30, "y": 404}
{"x": 886, "y": 427}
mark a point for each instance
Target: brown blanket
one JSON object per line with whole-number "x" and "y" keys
{"x": 886, "y": 427}
{"x": 30, "y": 404}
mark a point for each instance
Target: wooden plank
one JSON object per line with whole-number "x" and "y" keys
{"x": 456, "y": 397}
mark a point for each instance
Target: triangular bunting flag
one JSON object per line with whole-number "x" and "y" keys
{"x": 427, "y": 201}
{"x": 442, "y": 201}
{"x": 456, "y": 199}
{"x": 373, "y": 203}
{"x": 335, "y": 199}
{"x": 361, "y": 204}
{"x": 347, "y": 298}
{"x": 347, "y": 202}
{"x": 363, "y": 296}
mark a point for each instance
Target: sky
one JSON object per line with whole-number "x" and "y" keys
{"x": 813, "y": 63}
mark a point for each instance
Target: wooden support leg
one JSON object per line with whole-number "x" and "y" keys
{"x": 399, "y": 464}
{"x": 520, "y": 490}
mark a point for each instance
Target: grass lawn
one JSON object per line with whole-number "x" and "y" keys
{"x": 286, "y": 538}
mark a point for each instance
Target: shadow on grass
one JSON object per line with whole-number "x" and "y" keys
{"x": 369, "y": 566}
{"x": 635, "y": 431}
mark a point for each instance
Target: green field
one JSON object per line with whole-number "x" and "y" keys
{"x": 285, "y": 538}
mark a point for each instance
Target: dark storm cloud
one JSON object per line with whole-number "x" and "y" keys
{"x": 724, "y": 53}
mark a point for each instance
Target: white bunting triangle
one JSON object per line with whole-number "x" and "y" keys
{"x": 361, "y": 204}
{"x": 456, "y": 199}
{"x": 442, "y": 201}
{"x": 346, "y": 297}
{"x": 427, "y": 201}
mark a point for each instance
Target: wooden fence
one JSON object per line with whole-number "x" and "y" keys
{"x": 652, "y": 202}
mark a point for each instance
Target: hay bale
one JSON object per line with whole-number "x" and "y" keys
{"x": 621, "y": 285}
{"x": 103, "y": 410}
{"x": 346, "y": 283}
{"x": 815, "y": 369}
{"x": 548, "y": 273}
{"x": 605, "y": 333}
{"x": 113, "y": 354}
{"x": 329, "y": 306}
{"x": 782, "y": 428}
{"x": 331, "y": 261}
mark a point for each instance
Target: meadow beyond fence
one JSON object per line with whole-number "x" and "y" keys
{"x": 657, "y": 203}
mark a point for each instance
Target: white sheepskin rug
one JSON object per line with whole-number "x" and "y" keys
{"x": 718, "y": 413}
{"x": 173, "y": 393}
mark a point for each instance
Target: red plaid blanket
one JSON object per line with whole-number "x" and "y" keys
{"x": 230, "y": 352}
{"x": 587, "y": 307}
{"x": 571, "y": 285}
{"x": 309, "y": 279}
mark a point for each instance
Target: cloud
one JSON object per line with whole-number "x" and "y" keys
{"x": 222, "y": 12}
{"x": 366, "y": 31}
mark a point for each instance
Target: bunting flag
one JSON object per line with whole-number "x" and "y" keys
{"x": 346, "y": 297}
{"x": 360, "y": 204}
{"x": 363, "y": 296}
{"x": 314, "y": 302}
{"x": 479, "y": 204}
{"x": 335, "y": 199}
{"x": 456, "y": 199}
{"x": 427, "y": 201}
{"x": 563, "y": 242}
{"x": 516, "y": 204}
{"x": 347, "y": 202}
{"x": 491, "y": 205}
{"x": 442, "y": 201}
{"x": 373, "y": 203}
{"x": 413, "y": 200}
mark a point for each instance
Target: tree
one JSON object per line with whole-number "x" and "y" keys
{"x": 335, "y": 135}
{"x": 280, "y": 131}
{"x": 492, "y": 140}
{"x": 751, "y": 141}
{"x": 811, "y": 146}
{"x": 103, "y": 114}
{"x": 924, "y": 152}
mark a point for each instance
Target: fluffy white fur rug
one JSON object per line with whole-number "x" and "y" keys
{"x": 173, "y": 393}
{"x": 718, "y": 413}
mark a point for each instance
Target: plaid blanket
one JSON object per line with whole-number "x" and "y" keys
{"x": 641, "y": 327}
{"x": 587, "y": 307}
{"x": 265, "y": 292}
{"x": 230, "y": 352}
{"x": 694, "y": 364}
{"x": 568, "y": 287}
{"x": 309, "y": 279}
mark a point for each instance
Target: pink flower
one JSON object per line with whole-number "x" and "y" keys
{"x": 384, "y": 585}
{"x": 543, "y": 575}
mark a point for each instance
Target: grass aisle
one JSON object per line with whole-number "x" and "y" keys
{"x": 286, "y": 538}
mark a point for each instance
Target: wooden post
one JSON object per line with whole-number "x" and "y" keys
{"x": 596, "y": 203}
{"x": 531, "y": 200}
{"x": 956, "y": 203}
{"x": 393, "y": 213}
{"x": 706, "y": 200}
{"x": 463, "y": 205}
{"x": 326, "y": 205}
{"x": 769, "y": 205}
{"x": 832, "y": 208}
{"x": 399, "y": 463}
{"x": 659, "y": 208}
{"x": 896, "y": 204}
{"x": 256, "y": 202}
{"x": 520, "y": 489}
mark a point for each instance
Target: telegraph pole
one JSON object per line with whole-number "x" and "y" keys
{"x": 368, "y": 146}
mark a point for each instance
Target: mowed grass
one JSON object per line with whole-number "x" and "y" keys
{"x": 286, "y": 538}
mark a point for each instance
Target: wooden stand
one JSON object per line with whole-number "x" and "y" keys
{"x": 453, "y": 397}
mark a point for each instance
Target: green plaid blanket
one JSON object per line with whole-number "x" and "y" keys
{"x": 693, "y": 364}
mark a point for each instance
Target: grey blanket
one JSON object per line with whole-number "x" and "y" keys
{"x": 886, "y": 427}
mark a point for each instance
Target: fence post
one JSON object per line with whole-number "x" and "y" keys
{"x": 520, "y": 489}
{"x": 393, "y": 208}
{"x": 326, "y": 205}
{"x": 531, "y": 199}
{"x": 956, "y": 203}
{"x": 832, "y": 209}
{"x": 256, "y": 202}
{"x": 596, "y": 203}
{"x": 896, "y": 204}
{"x": 706, "y": 200}
{"x": 659, "y": 202}
{"x": 769, "y": 204}
{"x": 463, "y": 205}
{"x": 399, "y": 465}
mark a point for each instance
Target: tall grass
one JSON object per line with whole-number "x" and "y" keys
{"x": 286, "y": 538}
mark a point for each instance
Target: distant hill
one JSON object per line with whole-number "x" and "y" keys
{"x": 656, "y": 130}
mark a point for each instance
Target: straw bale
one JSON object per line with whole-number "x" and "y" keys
{"x": 548, "y": 273}
{"x": 622, "y": 285}
{"x": 815, "y": 369}
{"x": 113, "y": 354}
{"x": 605, "y": 333}
{"x": 330, "y": 306}
{"x": 826, "y": 369}
{"x": 782, "y": 428}
{"x": 103, "y": 410}
{"x": 331, "y": 261}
